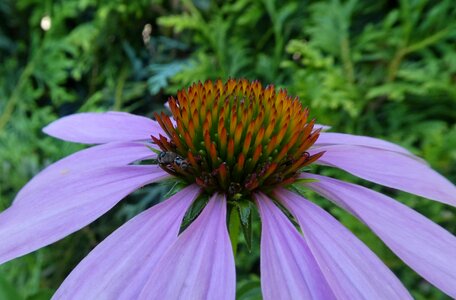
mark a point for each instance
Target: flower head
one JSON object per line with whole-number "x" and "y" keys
{"x": 230, "y": 142}
{"x": 236, "y": 138}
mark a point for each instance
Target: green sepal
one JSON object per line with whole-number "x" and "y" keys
{"x": 194, "y": 210}
{"x": 304, "y": 180}
{"x": 299, "y": 185}
{"x": 154, "y": 161}
{"x": 245, "y": 215}
{"x": 234, "y": 225}
{"x": 156, "y": 151}
{"x": 176, "y": 186}
{"x": 240, "y": 215}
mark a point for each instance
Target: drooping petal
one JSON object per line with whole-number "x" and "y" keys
{"x": 67, "y": 204}
{"x": 119, "y": 267}
{"x": 334, "y": 138}
{"x": 200, "y": 265}
{"x": 288, "y": 268}
{"x": 352, "y": 270}
{"x": 391, "y": 169}
{"x": 107, "y": 155}
{"x": 425, "y": 246}
{"x": 99, "y": 128}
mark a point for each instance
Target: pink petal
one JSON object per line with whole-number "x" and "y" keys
{"x": 333, "y": 138}
{"x": 288, "y": 269}
{"x": 67, "y": 204}
{"x": 353, "y": 271}
{"x": 425, "y": 246}
{"x": 99, "y": 128}
{"x": 200, "y": 265}
{"x": 391, "y": 169}
{"x": 107, "y": 155}
{"x": 119, "y": 267}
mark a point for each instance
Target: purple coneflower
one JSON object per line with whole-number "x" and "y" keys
{"x": 230, "y": 143}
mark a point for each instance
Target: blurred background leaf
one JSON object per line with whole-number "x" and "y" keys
{"x": 378, "y": 68}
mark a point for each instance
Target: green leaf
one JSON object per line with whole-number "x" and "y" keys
{"x": 44, "y": 294}
{"x": 249, "y": 289}
{"x": 7, "y": 290}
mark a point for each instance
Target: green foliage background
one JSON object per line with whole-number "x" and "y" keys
{"x": 379, "y": 68}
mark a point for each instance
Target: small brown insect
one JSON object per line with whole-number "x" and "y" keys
{"x": 172, "y": 160}
{"x": 181, "y": 163}
{"x": 166, "y": 158}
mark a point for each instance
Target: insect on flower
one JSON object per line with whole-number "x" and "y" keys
{"x": 242, "y": 147}
{"x": 167, "y": 157}
{"x": 170, "y": 160}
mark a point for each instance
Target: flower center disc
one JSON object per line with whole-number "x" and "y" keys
{"x": 235, "y": 137}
